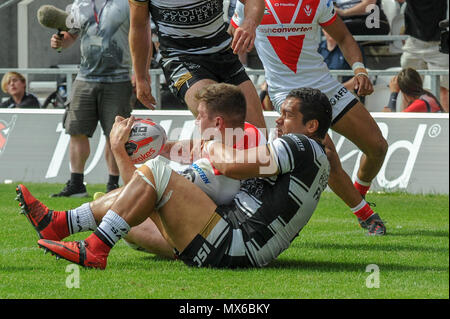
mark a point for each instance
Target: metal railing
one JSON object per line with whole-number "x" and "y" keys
{"x": 156, "y": 74}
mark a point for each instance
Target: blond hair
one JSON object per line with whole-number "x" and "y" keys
{"x": 7, "y": 77}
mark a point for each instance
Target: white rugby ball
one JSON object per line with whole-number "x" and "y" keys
{"x": 146, "y": 140}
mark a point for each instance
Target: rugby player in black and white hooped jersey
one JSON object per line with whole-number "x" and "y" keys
{"x": 195, "y": 49}
{"x": 285, "y": 181}
{"x": 286, "y": 42}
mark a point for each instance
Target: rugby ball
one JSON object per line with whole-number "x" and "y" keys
{"x": 146, "y": 140}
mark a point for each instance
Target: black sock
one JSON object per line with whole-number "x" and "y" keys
{"x": 76, "y": 178}
{"x": 113, "y": 179}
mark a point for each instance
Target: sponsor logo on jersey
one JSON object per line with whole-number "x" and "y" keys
{"x": 284, "y": 30}
{"x": 202, "y": 13}
{"x": 201, "y": 173}
{"x": 297, "y": 142}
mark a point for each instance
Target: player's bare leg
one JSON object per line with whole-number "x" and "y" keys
{"x": 189, "y": 97}
{"x": 339, "y": 181}
{"x": 254, "y": 107}
{"x": 358, "y": 126}
{"x": 147, "y": 237}
{"x": 181, "y": 221}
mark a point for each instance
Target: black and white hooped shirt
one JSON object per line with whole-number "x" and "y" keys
{"x": 189, "y": 26}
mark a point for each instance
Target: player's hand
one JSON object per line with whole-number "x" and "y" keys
{"x": 56, "y": 41}
{"x": 244, "y": 37}
{"x": 393, "y": 85}
{"x": 120, "y": 132}
{"x": 363, "y": 86}
{"x": 144, "y": 93}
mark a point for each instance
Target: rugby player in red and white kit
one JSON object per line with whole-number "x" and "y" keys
{"x": 221, "y": 111}
{"x": 287, "y": 41}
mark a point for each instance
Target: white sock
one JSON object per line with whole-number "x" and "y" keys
{"x": 359, "y": 206}
{"x": 81, "y": 219}
{"x": 112, "y": 228}
{"x": 362, "y": 183}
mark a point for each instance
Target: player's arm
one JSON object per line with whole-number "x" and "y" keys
{"x": 244, "y": 35}
{"x": 119, "y": 135}
{"x": 141, "y": 50}
{"x": 242, "y": 164}
{"x": 179, "y": 151}
{"x": 352, "y": 53}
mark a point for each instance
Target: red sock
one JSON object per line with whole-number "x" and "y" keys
{"x": 59, "y": 224}
{"x": 364, "y": 212}
{"x": 361, "y": 188}
{"x": 96, "y": 245}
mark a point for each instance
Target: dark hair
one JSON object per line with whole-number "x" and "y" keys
{"x": 314, "y": 105}
{"x": 225, "y": 100}
{"x": 410, "y": 83}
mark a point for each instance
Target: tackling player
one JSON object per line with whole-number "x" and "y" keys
{"x": 287, "y": 42}
{"x": 222, "y": 107}
{"x": 284, "y": 182}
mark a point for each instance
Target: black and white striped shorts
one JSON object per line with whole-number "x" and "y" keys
{"x": 220, "y": 244}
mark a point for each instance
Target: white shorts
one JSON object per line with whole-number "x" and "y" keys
{"x": 341, "y": 99}
{"x": 420, "y": 55}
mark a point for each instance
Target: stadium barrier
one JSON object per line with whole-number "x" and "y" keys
{"x": 157, "y": 77}
{"x": 34, "y": 148}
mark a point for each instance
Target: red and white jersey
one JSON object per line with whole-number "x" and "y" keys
{"x": 220, "y": 188}
{"x": 287, "y": 41}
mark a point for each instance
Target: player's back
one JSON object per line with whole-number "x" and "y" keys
{"x": 274, "y": 210}
{"x": 189, "y": 26}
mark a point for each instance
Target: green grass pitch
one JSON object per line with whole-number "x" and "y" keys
{"x": 329, "y": 259}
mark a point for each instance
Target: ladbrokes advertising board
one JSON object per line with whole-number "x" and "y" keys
{"x": 34, "y": 148}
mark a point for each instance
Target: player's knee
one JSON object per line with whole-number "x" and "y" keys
{"x": 380, "y": 148}
{"x": 156, "y": 172}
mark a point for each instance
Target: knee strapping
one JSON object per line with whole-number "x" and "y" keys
{"x": 160, "y": 170}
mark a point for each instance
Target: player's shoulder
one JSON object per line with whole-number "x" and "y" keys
{"x": 298, "y": 144}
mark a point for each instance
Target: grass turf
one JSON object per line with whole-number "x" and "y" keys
{"x": 327, "y": 260}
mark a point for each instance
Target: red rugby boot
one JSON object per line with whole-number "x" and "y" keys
{"x": 47, "y": 223}
{"x": 90, "y": 253}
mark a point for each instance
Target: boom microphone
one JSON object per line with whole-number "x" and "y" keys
{"x": 51, "y": 17}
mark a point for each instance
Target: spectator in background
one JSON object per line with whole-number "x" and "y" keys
{"x": 421, "y": 49}
{"x": 415, "y": 97}
{"x": 102, "y": 88}
{"x": 15, "y": 85}
{"x": 356, "y": 15}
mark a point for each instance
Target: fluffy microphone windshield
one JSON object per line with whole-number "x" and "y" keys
{"x": 52, "y": 17}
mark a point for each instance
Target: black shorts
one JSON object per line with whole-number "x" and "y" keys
{"x": 220, "y": 244}
{"x": 182, "y": 72}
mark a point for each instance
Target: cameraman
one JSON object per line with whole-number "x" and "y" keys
{"x": 421, "y": 49}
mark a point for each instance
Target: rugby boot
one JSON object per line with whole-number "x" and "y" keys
{"x": 48, "y": 224}
{"x": 72, "y": 190}
{"x": 90, "y": 253}
{"x": 375, "y": 225}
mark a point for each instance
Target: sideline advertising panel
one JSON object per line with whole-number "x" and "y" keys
{"x": 34, "y": 148}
